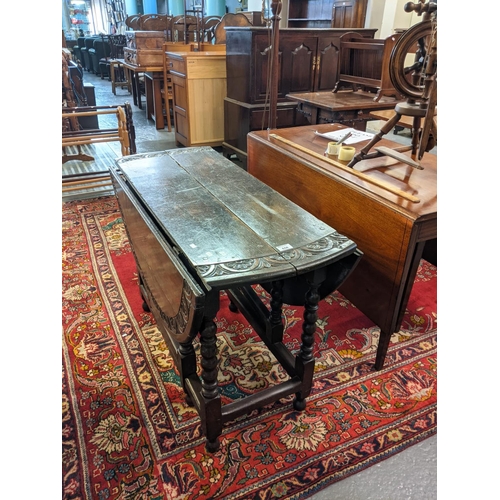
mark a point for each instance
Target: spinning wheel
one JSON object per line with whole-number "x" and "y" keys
{"x": 418, "y": 82}
{"x": 407, "y": 79}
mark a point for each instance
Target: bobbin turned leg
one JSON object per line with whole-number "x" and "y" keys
{"x": 210, "y": 404}
{"x": 187, "y": 367}
{"x": 275, "y": 318}
{"x": 305, "y": 359}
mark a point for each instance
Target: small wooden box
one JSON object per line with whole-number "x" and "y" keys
{"x": 145, "y": 39}
{"x": 143, "y": 57}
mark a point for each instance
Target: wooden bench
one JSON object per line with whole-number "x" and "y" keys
{"x": 364, "y": 63}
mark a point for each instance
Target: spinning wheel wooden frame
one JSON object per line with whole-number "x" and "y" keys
{"x": 417, "y": 82}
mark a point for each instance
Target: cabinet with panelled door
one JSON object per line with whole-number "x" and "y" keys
{"x": 199, "y": 88}
{"x": 326, "y": 13}
{"x": 348, "y": 13}
{"x": 310, "y": 13}
{"x": 308, "y": 62}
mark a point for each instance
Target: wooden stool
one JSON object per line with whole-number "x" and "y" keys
{"x": 114, "y": 65}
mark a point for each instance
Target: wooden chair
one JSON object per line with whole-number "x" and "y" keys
{"x": 229, "y": 20}
{"x": 153, "y": 22}
{"x": 206, "y": 31}
{"x": 364, "y": 63}
{"x": 133, "y": 22}
{"x": 167, "y": 92}
{"x": 212, "y": 47}
{"x": 118, "y": 76}
{"x": 183, "y": 27}
{"x": 179, "y": 47}
{"x": 169, "y": 35}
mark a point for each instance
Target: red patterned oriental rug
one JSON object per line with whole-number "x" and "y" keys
{"x": 127, "y": 432}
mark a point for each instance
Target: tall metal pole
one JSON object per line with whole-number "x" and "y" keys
{"x": 274, "y": 69}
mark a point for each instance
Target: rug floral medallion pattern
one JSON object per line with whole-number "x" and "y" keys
{"x": 129, "y": 434}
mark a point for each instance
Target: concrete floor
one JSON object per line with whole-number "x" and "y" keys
{"x": 409, "y": 475}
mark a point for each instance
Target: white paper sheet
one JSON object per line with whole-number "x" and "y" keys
{"x": 356, "y": 135}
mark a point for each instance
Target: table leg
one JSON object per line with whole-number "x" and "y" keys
{"x": 138, "y": 89}
{"x": 408, "y": 281}
{"x": 132, "y": 79}
{"x": 112, "y": 66}
{"x": 305, "y": 359}
{"x": 210, "y": 405}
{"x": 149, "y": 97}
{"x": 158, "y": 104}
{"x": 187, "y": 367}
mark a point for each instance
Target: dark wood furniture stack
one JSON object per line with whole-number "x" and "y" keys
{"x": 133, "y": 22}
{"x": 229, "y": 20}
{"x": 185, "y": 28}
{"x": 199, "y": 225}
{"x": 388, "y": 208}
{"x": 156, "y": 22}
{"x": 144, "y": 48}
{"x": 308, "y": 62}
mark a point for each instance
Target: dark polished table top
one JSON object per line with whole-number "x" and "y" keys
{"x": 230, "y": 226}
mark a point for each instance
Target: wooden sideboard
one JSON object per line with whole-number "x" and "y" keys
{"x": 393, "y": 229}
{"x": 308, "y": 61}
{"x": 199, "y": 87}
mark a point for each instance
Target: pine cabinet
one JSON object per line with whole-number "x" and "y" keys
{"x": 308, "y": 61}
{"x": 199, "y": 88}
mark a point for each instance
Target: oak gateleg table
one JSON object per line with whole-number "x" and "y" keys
{"x": 198, "y": 224}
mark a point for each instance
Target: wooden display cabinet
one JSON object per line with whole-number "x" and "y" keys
{"x": 348, "y": 13}
{"x": 310, "y": 13}
{"x": 308, "y": 62}
{"x": 199, "y": 87}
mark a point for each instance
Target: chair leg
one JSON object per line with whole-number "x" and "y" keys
{"x": 167, "y": 112}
